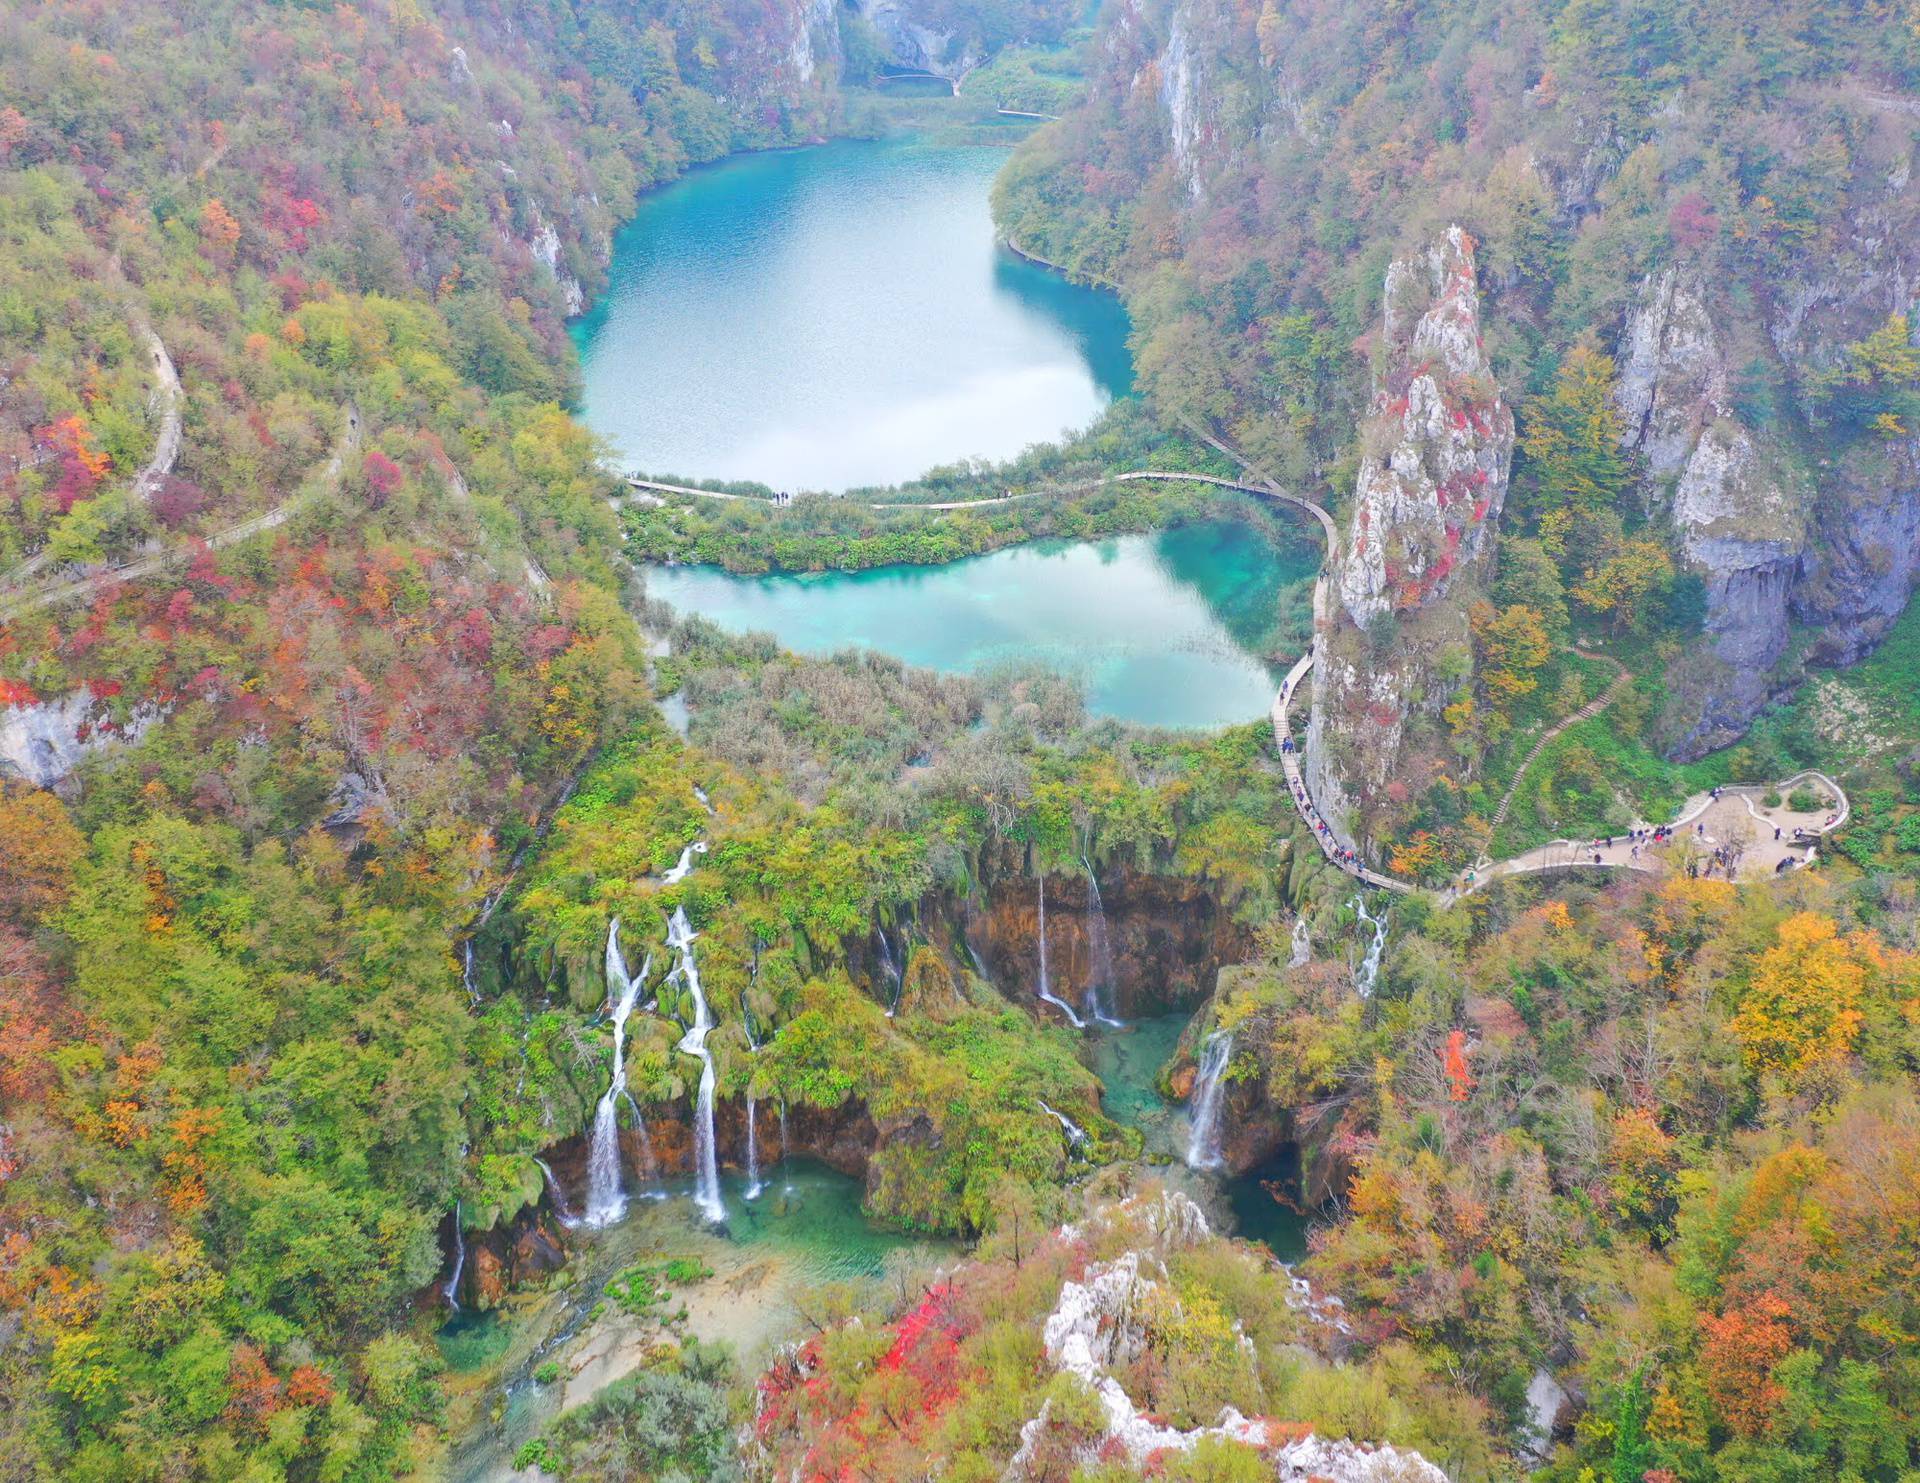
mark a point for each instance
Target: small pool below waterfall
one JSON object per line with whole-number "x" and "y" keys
{"x": 1260, "y": 1216}
{"x": 806, "y": 1227}
{"x": 1128, "y": 1061}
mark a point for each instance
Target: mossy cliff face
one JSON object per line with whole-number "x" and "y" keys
{"x": 1394, "y": 640}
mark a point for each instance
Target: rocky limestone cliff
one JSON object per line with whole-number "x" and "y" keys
{"x": 43, "y": 742}
{"x": 1735, "y": 506}
{"x": 916, "y": 39}
{"x": 1436, "y": 452}
{"x": 1099, "y": 1326}
{"x": 1828, "y": 538}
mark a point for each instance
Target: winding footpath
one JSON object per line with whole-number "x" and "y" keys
{"x": 78, "y": 588}
{"x": 166, "y": 445}
{"x": 1753, "y": 843}
{"x": 1621, "y": 679}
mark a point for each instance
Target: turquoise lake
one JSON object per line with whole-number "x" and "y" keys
{"x": 1155, "y": 627}
{"x": 835, "y": 317}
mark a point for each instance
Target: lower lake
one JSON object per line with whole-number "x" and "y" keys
{"x": 1157, "y": 628}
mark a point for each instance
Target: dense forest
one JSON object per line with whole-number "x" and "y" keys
{"x": 331, "y": 715}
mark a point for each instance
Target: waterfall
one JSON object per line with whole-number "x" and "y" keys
{"x": 1209, "y": 1090}
{"x": 679, "y": 872}
{"x": 1369, "y": 973}
{"x": 451, "y": 1291}
{"x": 700, "y": 795}
{"x": 754, "y": 1182}
{"x": 1302, "y": 953}
{"x": 893, "y": 968}
{"x": 1076, "y": 1135}
{"x": 606, "y": 1191}
{"x": 565, "y": 1216}
{"x": 753, "y": 1153}
{"x": 649, "y": 1165}
{"x": 466, "y": 970}
{"x": 1046, "y": 990}
{"x": 979, "y": 966}
{"x": 1102, "y": 980}
{"x": 706, "y": 1167}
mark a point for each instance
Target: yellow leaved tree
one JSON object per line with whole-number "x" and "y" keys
{"x": 1803, "y": 1004}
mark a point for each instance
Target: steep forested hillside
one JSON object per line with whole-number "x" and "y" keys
{"x": 289, "y": 503}
{"x": 1693, "y": 232}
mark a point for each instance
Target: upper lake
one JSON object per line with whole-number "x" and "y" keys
{"x": 835, "y": 317}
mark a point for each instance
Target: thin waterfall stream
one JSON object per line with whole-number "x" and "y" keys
{"x": 567, "y": 1217}
{"x": 451, "y": 1292}
{"x": 1368, "y": 973}
{"x": 1046, "y": 989}
{"x": 754, "y": 1183}
{"x": 1100, "y": 988}
{"x": 754, "y": 1186}
{"x": 706, "y": 1167}
{"x": 893, "y": 968}
{"x": 680, "y": 871}
{"x": 1076, "y": 1135}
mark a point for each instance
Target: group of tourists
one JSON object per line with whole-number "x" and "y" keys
{"x": 1348, "y": 860}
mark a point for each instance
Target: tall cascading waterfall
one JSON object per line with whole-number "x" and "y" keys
{"x": 451, "y": 1292}
{"x": 1046, "y": 989}
{"x": 1302, "y": 953}
{"x": 562, "y": 1213}
{"x": 606, "y": 1190}
{"x": 1100, "y": 989}
{"x": 466, "y": 971}
{"x": 1209, "y": 1091}
{"x": 1369, "y": 972}
{"x": 706, "y": 1165}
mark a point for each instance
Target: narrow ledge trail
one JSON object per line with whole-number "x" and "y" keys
{"x": 166, "y": 444}
{"x": 77, "y": 588}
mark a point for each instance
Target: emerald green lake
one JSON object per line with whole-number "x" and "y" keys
{"x": 1155, "y": 627}
{"x": 834, "y": 317}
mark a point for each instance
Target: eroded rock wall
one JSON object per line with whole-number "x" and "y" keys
{"x": 1168, "y": 938}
